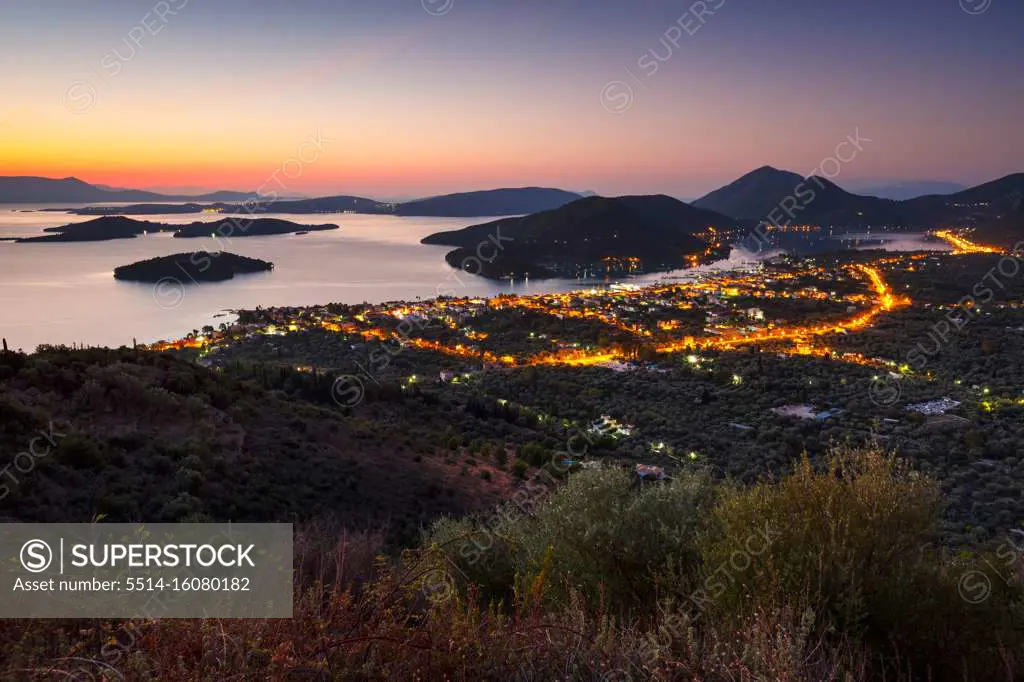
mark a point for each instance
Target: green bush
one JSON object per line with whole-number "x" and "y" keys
{"x": 842, "y": 559}
{"x": 478, "y": 552}
{"x": 853, "y": 544}
{"x": 601, "y": 535}
{"x": 596, "y": 533}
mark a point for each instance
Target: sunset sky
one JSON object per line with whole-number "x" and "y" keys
{"x": 416, "y": 97}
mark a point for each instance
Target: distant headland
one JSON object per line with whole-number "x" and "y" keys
{"x": 120, "y": 227}
{"x": 594, "y": 235}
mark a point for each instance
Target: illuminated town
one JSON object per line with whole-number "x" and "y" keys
{"x": 723, "y": 310}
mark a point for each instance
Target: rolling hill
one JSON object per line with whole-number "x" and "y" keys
{"x": 140, "y": 435}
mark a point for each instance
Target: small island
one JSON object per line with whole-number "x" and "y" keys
{"x": 246, "y": 227}
{"x": 120, "y": 227}
{"x": 98, "y": 230}
{"x": 196, "y": 267}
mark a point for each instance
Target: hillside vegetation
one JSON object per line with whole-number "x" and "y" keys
{"x": 138, "y": 436}
{"x": 831, "y": 573}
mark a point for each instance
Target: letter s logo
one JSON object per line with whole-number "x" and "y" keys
{"x": 36, "y": 556}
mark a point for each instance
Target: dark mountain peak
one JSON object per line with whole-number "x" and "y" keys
{"x": 824, "y": 184}
{"x": 768, "y": 170}
{"x": 753, "y": 195}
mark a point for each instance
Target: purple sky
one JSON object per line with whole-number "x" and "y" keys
{"x": 421, "y": 97}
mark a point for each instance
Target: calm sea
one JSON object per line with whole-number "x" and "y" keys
{"x": 66, "y": 293}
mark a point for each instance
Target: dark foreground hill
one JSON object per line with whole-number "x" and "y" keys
{"x": 137, "y": 435}
{"x": 828, "y": 573}
{"x": 658, "y": 231}
{"x": 200, "y": 266}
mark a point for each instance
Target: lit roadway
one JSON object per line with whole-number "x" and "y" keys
{"x": 962, "y": 246}
{"x": 597, "y": 306}
{"x": 882, "y": 300}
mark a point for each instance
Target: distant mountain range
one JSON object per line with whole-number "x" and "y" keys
{"x": 910, "y": 189}
{"x": 764, "y": 194}
{"x": 495, "y": 202}
{"x": 34, "y": 190}
{"x": 786, "y": 198}
{"x": 592, "y": 232}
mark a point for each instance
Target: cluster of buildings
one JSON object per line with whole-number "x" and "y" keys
{"x": 706, "y": 310}
{"x": 934, "y": 407}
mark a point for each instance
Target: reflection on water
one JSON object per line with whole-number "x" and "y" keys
{"x": 66, "y": 293}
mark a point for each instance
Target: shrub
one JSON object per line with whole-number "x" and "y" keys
{"x": 480, "y": 549}
{"x": 830, "y": 574}
{"x": 855, "y": 545}
{"x": 596, "y": 534}
{"x": 603, "y": 536}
